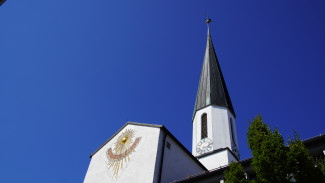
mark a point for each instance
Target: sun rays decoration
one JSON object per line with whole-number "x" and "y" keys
{"x": 123, "y": 148}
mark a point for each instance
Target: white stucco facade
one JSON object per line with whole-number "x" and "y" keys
{"x": 141, "y": 166}
{"x": 218, "y": 159}
{"x": 158, "y": 157}
{"x": 177, "y": 163}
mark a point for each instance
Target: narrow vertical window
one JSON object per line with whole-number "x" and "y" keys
{"x": 232, "y": 131}
{"x": 168, "y": 145}
{"x": 204, "y": 128}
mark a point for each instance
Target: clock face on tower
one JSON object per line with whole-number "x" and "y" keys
{"x": 204, "y": 146}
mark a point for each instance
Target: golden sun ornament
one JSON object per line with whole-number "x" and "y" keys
{"x": 123, "y": 148}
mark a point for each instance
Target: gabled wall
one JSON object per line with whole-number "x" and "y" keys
{"x": 142, "y": 164}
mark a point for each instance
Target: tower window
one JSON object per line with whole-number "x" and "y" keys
{"x": 204, "y": 127}
{"x": 232, "y": 131}
{"x": 168, "y": 145}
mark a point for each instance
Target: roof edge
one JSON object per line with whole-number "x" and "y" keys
{"x": 128, "y": 123}
{"x": 2, "y": 1}
{"x": 217, "y": 150}
{"x": 212, "y": 105}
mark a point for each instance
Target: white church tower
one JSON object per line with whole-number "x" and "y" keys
{"x": 214, "y": 131}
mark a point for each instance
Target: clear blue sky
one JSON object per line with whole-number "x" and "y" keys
{"x": 73, "y": 72}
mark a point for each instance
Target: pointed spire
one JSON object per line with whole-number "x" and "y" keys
{"x": 212, "y": 87}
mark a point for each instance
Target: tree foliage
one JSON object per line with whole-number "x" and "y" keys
{"x": 269, "y": 152}
{"x": 301, "y": 165}
{"x": 274, "y": 162}
{"x": 321, "y": 165}
{"x": 235, "y": 173}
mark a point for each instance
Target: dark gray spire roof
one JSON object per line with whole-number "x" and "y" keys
{"x": 212, "y": 87}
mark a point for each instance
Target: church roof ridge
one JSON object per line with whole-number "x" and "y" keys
{"x": 212, "y": 89}
{"x": 127, "y": 123}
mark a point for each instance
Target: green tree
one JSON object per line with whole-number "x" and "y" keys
{"x": 235, "y": 173}
{"x": 273, "y": 162}
{"x": 321, "y": 165}
{"x": 269, "y": 152}
{"x": 301, "y": 165}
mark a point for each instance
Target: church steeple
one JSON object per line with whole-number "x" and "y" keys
{"x": 214, "y": 129}
{"x": 212, "y": 88}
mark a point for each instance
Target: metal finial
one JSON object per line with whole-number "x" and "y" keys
{"x": 208, "y": 20}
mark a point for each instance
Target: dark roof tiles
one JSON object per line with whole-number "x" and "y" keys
{"x": 212, "y": 88}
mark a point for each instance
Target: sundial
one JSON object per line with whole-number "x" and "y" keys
{"x": 122, "y": 149}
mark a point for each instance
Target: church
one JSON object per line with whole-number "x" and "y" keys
{"x": 146, "y": 153}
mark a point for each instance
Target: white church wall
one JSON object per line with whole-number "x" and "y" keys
{"x": 177, "y": 163}
{"x": 217, "y": 160}
{"x": 194, "y": 135}
{"x": 231, "y": 157}
{"x": 221, "y": 128}
{"x": 159, "y": 156}
{"x": 197, "y": 127}
{"x": 234, "y": 131}
{"x": 218, "y": 127}
{"x": 141, "y": 166}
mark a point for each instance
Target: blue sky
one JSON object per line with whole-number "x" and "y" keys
{"x": 73, "y": 72}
